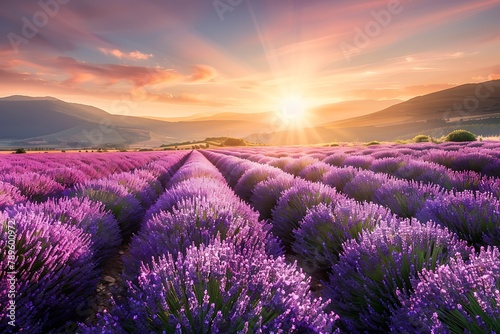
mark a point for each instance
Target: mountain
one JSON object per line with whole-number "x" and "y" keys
{"x": 315, "y": 116}
{"x": 472, "y": 106}
{"x": 49, "y": 122}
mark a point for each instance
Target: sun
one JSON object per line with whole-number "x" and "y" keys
{"x": 293, "y": 109}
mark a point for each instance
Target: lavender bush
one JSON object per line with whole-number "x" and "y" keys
{"x": 55, "y": 272}
{"x": 81, "y": 213}
{"x": 266, "y": 194}
{"x": 33, "y": 186}
{"x": 9, "y": 195}
{"x": 196, "y": 221}
{"x": 318, "y": 240}
{"x": 315, "y": 172}
{"x": 220, "y": 289}
{"x": 246, "y": 184}
{"x": 459, "y": 297}
{"x": 339, "y": 177}
{"x": 124, "y": 206}
{"x": 406, "y": 198}
{"x": 364, "y": 185}
{"x": 474, "y": 216}
{"x": 362, "y": 286}
{"x": 293, "y": 204}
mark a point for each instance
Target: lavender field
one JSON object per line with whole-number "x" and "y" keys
{"x": 348, "y": 239}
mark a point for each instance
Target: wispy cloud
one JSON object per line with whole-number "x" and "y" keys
{"x": 133, "y": 55}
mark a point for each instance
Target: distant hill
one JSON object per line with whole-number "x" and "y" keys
{"x": 315, "y": 116}
{"x": 476, "y": 106}
{"x": 49, "y": 122}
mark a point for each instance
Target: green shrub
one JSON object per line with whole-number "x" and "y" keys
{"x": 20, "y": 151}
{"x": 373, "y": 142}
{"x": 421, "y": 139}
{"x": 234, "y": 142}
{"x": 460, "y": 136}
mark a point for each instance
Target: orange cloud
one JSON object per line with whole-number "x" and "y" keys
{"x": 134, "y": 55}
{"x": 108, "y": 74}
{"x": 203, "y": 73}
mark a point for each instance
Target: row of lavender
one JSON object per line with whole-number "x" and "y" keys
{"x": 381, "y": 272}
{"x": 208, "y": 264}
{"x": 37, "y": 177}
{"x": 202, "y": 262}
{"x": 471, "y": 213}
{"x": 64, "y": 234}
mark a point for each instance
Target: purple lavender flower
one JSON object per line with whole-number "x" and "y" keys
{"x": 234, "y": 175}
{"x": 81, "y": 213}
{"x": 473, "y": 161}
{"x": 338, "y": 177}
{"x": 33, "y": 186}
{"x": 427, "y": 172}
{"x": 294, "y": 203}
{"x": 336, "y": 159}
{"x": 459, "y": 297}
{"x": 314, "y": 172}
{"x": 406, "y": 198}
{"x": 364, "y": 185}
{"x": 387, "y": 165}
{"x": 363, "y": 284}
{"x": 67, "y": 177}
{"x": 195, "y": 170}
{"x": 126, "y": 209}
{"x": 246, "y": 184}
{"x": 318, "y": 240}
{"x": 266, "y": 194}
{"x": 199, "y": 187}
{"x": 55, "y": 273}
{"x": 197, "y": 221}
{"x": 9, "y": 195}
{"x": 474, "y": 216}
{"x": 296, "y": 166}
{"x": 221, "y": 288}
{"x": 490, "y": 185}
{"x": 358, "y": 161}
{"x": 137, "y": 186}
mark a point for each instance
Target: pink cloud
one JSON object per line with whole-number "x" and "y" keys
{"x": 108, "y": 74}
{"x": 203, "y": 73}
{"x": 133, "y": 55}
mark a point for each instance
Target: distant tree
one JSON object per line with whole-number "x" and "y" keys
{"x": 234, "y": 142}
{"x": 20, "y": 151}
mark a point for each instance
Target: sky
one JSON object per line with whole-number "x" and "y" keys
{"x": 177, "y": 58}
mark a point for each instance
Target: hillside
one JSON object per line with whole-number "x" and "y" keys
{"x": 473, "y": 106}
{"x": 48, "y": 122}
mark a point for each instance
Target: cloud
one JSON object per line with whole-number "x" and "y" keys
{"x": 108, "y": 74}
{"x": 193, "y": 99}
{"x": 133, "y": 55}
{"x": 203, "y": 73}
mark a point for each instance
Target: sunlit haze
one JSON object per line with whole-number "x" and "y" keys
{"x": 178, "y": 58}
